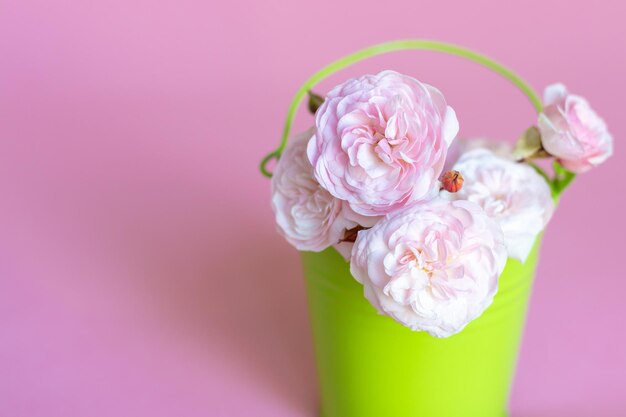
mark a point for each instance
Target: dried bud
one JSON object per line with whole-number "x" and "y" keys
{"x": 315, "y": 101}
{"x": 529, "y": 145}
{"x": 452, "y": 181}
{"x": 350, "y": 234}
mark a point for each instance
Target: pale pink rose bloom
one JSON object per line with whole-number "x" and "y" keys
{"x": 572, "y": 131}
{"x": 432, "y": 267}
{"x": 381, "y": 142}
{"x": 511, "y": 193}
{"x": 306, "y": 214}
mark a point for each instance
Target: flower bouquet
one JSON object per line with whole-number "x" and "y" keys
{"x": 438, "y": 236}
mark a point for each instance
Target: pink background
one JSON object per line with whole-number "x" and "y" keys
{"x": 140, "y": 273}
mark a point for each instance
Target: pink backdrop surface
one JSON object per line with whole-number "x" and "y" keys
{"x": 140, "y": 272}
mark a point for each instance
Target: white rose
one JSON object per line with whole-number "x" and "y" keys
{"x": 306, "y": 214}
{"x": 512, "y": 193}
{"x": 432, "y": 267}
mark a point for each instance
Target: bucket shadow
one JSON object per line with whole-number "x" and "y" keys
{"x": 247, "y": 304}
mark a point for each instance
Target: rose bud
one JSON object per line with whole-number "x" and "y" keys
{"x": 452, "y": 181}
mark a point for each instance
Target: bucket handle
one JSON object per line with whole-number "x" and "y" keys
{"x": 562, "y": 178}
{"x": 384, "y": 48}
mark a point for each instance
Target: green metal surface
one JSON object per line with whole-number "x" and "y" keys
{"x": 371, "y": 366}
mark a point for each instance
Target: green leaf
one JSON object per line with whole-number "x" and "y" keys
{"x": 562, "y": 179}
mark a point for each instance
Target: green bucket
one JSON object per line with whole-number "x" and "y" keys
{"x": 371, "y": 366}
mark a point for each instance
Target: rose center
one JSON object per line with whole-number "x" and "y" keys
{"x": 389, "y": 150}
{"x": 416, "y": 258}
{"x": 496, "y": 204}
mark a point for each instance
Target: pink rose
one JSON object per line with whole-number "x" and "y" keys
{"x": 572, "y": 131}
{"x": 381, "y": 142}
{"x": 306, "y": 214}
{"x": 431, "y": 267}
